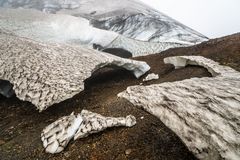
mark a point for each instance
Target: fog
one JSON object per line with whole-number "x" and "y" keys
{"x": 213, "y": 18}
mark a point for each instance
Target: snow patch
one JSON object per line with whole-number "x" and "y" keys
{"x": 203, "y": 112}
{"x": 45, "y": 74}
{"x": 57, "y": 135}
{"x": 150, "y": 77}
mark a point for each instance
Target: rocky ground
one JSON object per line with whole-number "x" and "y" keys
{"x": 21, "y": 124}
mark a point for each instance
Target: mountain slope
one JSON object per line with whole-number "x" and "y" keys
{"x": 149, "y": 139}
{"x": 73, "y": 30}
{"x": 130, "y": 18}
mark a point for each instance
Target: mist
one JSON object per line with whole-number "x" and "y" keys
{"x": 213, "y": 18}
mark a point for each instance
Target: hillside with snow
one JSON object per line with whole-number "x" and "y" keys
{"x": 130, "y": 18}
{"x": 88, "y": 65}
{"x": 67, "y": 29}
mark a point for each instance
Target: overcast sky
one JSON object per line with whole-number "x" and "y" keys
{"x": 213, "y": 18}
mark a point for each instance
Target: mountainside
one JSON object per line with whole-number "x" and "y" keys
{"x": 20, "y": 123}
{"x": 54, "y": 57}
{"x": 130, "y": 18}
{"x": 66, "y": 29}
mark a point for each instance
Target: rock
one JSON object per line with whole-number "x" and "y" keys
{"x": 45, "y": 74}
{"x": 150, "y": 77}
{"x": 128, "y": 151}
{"x": 203, "y": 112}
{"x": 57, "y": 135}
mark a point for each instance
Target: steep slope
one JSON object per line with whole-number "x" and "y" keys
{"x": 130, "y": 18}
{"x": 20, "y": 123}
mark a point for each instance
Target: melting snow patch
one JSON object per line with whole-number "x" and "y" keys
{"x": 203, "y": 112}
{"x": 150, "y": 77}
{"x": 45, "y": 74}
{"x": 57, "y": 135}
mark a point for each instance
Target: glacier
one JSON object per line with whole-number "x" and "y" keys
{"x": 130, "y": 18}
{"x": 66, "y": 29}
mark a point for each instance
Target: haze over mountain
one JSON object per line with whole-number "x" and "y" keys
{"x": 214, "y": 18}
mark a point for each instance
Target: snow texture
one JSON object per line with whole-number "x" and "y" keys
{"x": 57, "y": 135}
{"x": 203, "y": 112}
{"x": 142, "y": 48}
{"x": 45, "y": 74}
{"x": 130, "y": 18}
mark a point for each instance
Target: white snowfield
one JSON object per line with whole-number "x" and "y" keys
{"x": 203, "y": 112}
{"x": 57, "y": 135}
{"x": 45, "y": 74}
{"x": 130, "y": 18}
{"x": 67, "y": 29}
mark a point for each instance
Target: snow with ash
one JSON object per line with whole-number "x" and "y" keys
{"x": 130, "y": 18}
{"x": 67, "y": 29}
{"x": 45, "y": 74}
{"x": 57, "y": 135}
{"x": 203, "y": 112}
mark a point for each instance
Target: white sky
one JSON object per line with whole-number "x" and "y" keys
{"x": 213, "y": 18}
